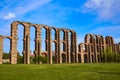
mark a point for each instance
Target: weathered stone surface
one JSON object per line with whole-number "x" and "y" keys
{"x": 89, "y": 51}
{"x": 93, "y": 47}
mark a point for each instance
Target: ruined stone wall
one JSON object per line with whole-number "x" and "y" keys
{"x": 66, "y": 49}
{"x": 93, "y": 47}
{"x": 69, "y": 48}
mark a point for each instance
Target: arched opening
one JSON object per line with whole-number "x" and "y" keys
{"x": 20, "y": 43}
{"x": 85, "y": 48}
{"x": 96, "y": 39}
{"x": 97, "y": 48}
{"x": 54, "y": 46}
{"x": 85, "y": 58}
{"x": 44, "y": 57}
{"x": 32, "y": 43}
{"x": 53, "y": 53}
{"x": 6, "y": 51}
{"x": 98, "y": 57}
{"x": 107, "y": 40}
{"x": 62, "y": 34}
{"x": 62, "y": 47}
{"x": 53, "y": 34}
{"x": 91, "y": 39}
{"x": 79, "y": 58}
{"x": 92, "y": 48}
{"x": 93, "y": 59}
{"x": 63, "y": 58}
{"x": 43, "y": 38}
{"x": 101, "y": 41}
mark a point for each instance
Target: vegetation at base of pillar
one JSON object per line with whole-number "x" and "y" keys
{"x": 6, "y": 55}
{"x": 6, "y": 58}
{"x": 110, "y": 56}
{"x": 19, "y": 59}
{"x": 40, "y": 59}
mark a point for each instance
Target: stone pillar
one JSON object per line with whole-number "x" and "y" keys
{"x": 37, "y": 51}
{"x": 81, "y": 52}
{"x": 48, "y": 45}
{"x": 26, "y": 44}
{"x": 59, "y": 47}
{"x": 68, "y": 47}
{"x": 76, "y": 48}
{"x": 72, "y": 48}
{"x": 95, "y": 53}
{"x": 65, "y": 46}
{"x": 13, "y": 43}
{"x": 1, "y": 49}
{"x": 89, "y": 53}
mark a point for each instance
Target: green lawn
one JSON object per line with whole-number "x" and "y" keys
{"x": 95, "y": 71}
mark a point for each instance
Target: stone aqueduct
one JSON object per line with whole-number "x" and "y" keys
{"x": 89, "y": 51}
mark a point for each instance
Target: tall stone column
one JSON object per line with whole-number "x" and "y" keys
{"x": 13, "y": 45}
{"x": 26, "y": 44}
{"x": 48, "y": 45}
{"x": 37, "y": 51}
{"x": 76, "y": 48}
{"x": 59, "y": 47}
{"x": 1, "y": 49}
{"x": 68, "y": 47}
{"x": 65, "y": 47}
{"x": 82, "y": 52}
{"x": 89, "y": 53}
{"x": 72, "y": 48}
{"x": 95, "y": 53}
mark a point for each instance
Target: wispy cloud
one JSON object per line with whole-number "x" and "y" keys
{"x": 104, "y": 9}
{"x": 20, "y": 7}
{"x": 9, "y": 16}
{"x": 113, "y": 31}
{"x": 117, "y": 40}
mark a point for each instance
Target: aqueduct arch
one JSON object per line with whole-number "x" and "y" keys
{"x": 38, "y": 43}
{"x": 66, "y": 49}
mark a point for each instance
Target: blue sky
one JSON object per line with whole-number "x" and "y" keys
{"x": 84, "y": 16}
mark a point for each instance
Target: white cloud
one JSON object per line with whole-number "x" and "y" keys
{"x": 9, "y": 16}
{"x": 20, "y": 8}
{"x": 105, "y": 9}
{"x": 30, "y": 5}
{"x": 113, "y": 31}
{"x": 117, "y": 40}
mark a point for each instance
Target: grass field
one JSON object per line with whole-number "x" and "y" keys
{"x": 101, "y": 71}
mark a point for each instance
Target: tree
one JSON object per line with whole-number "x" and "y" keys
{"x": 40, "y": 59}
{"x": 110, "y": 56}
{"x": 6, "y": 55}
{"x": 19, "y": 58}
